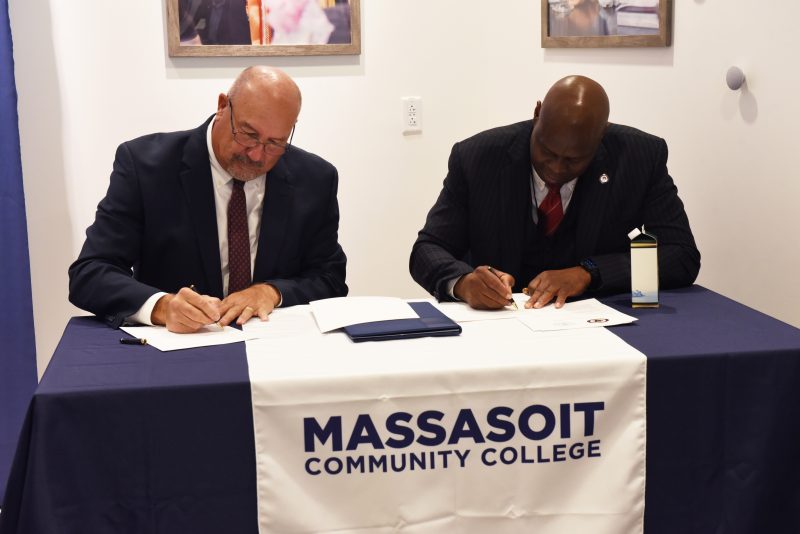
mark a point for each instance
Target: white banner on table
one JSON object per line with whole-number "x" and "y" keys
{"x": 498, "y": 430}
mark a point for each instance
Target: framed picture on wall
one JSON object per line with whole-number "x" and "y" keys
{"x": 606, "y": 23}
{"x": 263, "y": 27}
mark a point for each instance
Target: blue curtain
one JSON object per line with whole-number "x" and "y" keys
{"x": 17, "y": 347}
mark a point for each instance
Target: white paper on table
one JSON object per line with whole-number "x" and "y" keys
{"x": 335, "y": 313}
{"x": 164, "y": 340}
{"x": 284, "y": 323}
{"x": 461, "y": 312}
{"x": 589, "y": 313}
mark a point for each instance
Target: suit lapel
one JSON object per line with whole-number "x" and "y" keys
{"x": 278, "y": 199}
{"x": 198, "y": 189}
{"x": 514, "y": 182}
{"x": 592, "y": 193}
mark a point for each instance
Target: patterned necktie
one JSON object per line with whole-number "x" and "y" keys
{"x": 238, "y": 240}
{"x": 550, "y": 210}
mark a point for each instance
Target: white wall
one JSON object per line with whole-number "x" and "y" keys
{"x": 92, "y": 74}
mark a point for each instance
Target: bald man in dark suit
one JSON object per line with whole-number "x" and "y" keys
{"x": 217, "y": 224}
{"x": 546, "y": 205}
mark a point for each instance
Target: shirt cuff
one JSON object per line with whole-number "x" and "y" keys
{"x": 451, "y": 285}
{"x": 143, "y": 315}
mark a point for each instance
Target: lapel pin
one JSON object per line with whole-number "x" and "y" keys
{"x": 604, "y": 178}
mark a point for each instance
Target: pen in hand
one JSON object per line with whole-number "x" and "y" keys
{"x": 191, "y": 286}
{"x": 511, "y": 300}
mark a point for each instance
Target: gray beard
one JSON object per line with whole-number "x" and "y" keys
{"x": 245, "y": 170}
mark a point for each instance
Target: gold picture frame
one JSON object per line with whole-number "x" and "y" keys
{"x": 200, "y": 28}
{"x": 595, "y": 23}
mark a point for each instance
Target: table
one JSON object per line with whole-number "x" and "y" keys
{"x": 128, "y": 439}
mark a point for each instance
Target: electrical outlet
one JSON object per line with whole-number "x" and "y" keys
{"x": 412, "y": 114}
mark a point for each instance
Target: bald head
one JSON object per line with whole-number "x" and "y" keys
{"x": 260, "y": 110}
{"x": 267, "y": 83}
{"x": 568, "y": 127}
{"x": 577, "y": 101}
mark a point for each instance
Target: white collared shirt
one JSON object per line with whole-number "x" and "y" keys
{"x": 254, "y": 191}
{"x": 539, "y": 191}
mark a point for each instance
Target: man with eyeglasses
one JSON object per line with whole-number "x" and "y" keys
{"x": 217, "y": 224}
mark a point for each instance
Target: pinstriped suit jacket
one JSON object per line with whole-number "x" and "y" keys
{"x": 482, "y": 208}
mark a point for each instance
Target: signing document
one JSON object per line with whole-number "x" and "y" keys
{"x": 587, "y": 313}
{"x": 332, "y": 314}
{"x": 502, "y": 429}
{"x": 164, "y": 340}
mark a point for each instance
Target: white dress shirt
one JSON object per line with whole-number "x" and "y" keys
{"x": 254, "y": 191}
{"x": 539, "y": 191}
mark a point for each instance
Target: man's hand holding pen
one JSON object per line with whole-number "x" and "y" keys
{"x": 485, "y": 288}
{"x": 186, "y": 311}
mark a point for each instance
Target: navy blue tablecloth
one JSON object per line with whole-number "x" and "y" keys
{"x": 723, "y": 415}
{"x": 128, "y": 439}
{"x": 122, "y": 438}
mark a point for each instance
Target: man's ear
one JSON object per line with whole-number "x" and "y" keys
{"x": 222, "y": 103}
{"x": 538, "y": 109}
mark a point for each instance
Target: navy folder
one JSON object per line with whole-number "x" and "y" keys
{"x": 431, "y": 322}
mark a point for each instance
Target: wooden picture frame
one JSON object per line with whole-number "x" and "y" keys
{"x": 588, "y": 24}
{"x": 242, "y": 28}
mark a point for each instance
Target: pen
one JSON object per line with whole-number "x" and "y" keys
{"x": 133, "y": 341}
{"x": 191, "y": 286}
{"x": 510, "y": 301}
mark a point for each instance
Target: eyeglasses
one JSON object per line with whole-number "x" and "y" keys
{"x": 249, "y": 140}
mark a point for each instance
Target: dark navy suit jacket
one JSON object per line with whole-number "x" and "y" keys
{"x": 482, "y": 210}
{"x": 156, "y": 229}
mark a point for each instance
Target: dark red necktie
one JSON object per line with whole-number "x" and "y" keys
{"x": 550, "y": 210}
{"x": 238, "y": 240}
